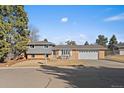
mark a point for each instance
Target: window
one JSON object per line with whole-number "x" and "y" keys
{"x": 47, "y": 55}
{"x": 45, "y": 46}
{"x": 65, "y": 52}
{"x": 33, "y": 56}
{"x": 31, "y": 46}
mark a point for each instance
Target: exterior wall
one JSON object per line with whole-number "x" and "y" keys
{"x": 38, "y": 56}
{"x": 101, "y": 55}
{"x": 56, "y": 55}
{"x": 121, "y": 51}
{"x": 39, "y": 49}
{"x": 74, "y": 54}
{"x": 50, "y": 56}
{"x": 59, "y": 53}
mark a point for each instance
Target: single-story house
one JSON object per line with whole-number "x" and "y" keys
{"x": 120, "y": 48}
{"x": 43, "y": 49}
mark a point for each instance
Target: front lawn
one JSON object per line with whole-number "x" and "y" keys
{"x": 35, "y": 63}
{"x": 66, "y": 62}
{"x": 118, "y": 58}
{"x": 10, "y": 63}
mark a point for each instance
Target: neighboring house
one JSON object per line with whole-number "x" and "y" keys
{"x": 120, "y": 48}
{"x": 39, "y": 50}
{"x": 43, "y": 49}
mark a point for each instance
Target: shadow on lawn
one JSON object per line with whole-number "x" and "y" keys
{"x": 88, "y": 77}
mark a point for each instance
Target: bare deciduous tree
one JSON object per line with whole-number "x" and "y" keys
{"x": 34, "y": 33}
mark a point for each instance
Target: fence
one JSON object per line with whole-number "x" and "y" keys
{"x": 108, "y": 52}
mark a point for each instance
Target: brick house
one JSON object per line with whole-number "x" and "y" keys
{"x": 43, "y": 49}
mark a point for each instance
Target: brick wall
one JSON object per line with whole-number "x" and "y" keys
{"x": 38, "y": 56}
{"x": 74, "y": 54}
{"x": 101, "y": 55}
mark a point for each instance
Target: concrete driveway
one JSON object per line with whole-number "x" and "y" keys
{"x": 103, "y": 63}
{"x": 95, "y": 74}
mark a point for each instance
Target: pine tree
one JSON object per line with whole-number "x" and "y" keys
{"x": 5, "y": 28}
{"x": 14, "y": 31}
{"x": 102, "y": 40}
{"x": 86, "y": 43}
{"x": 113, "y": 41}
{"x": 45, "y": 40}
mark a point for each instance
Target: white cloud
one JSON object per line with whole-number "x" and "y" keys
{"x": 115, "y": 18}
{"x": 82, "y": 36}
{"x": 64, "y": 19}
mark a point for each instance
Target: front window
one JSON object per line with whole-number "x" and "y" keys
{"x": 45, "y": 46}
{"x": 65, "y": 52}
{"x": 31, "y": 46}
{"x": 33, "y": 56}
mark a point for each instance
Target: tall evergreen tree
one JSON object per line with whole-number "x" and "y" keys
{"x": 86, "y": 43}
{"x": 45, "y": 40}
{"x": 14, "y": 31}
{"x": 112, "y": 42}
{"x": 102, "y": 40}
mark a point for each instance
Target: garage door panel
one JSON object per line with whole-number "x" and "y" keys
{"x": 88, "y": 55}
{"x": 122, "y": 52}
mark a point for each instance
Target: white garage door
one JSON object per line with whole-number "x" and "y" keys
{"x": 121, "y": 52}
{"x": 88, "y": 54}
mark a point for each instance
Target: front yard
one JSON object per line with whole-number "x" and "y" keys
{"x": 118, "y": 58}
{"x": 10, "y": 63}
{"x": 36, "y": 63}
{"x": 114, "y": 60}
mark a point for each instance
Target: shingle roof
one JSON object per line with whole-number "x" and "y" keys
{"x": 41, "y": 43}
{"x": 120, "y": 45}
{"x": 80, "y": 47}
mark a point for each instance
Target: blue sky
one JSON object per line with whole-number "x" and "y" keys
{"x": 79, "y": 23}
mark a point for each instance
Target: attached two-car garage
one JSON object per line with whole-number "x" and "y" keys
{"x": 88, "y": 55}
